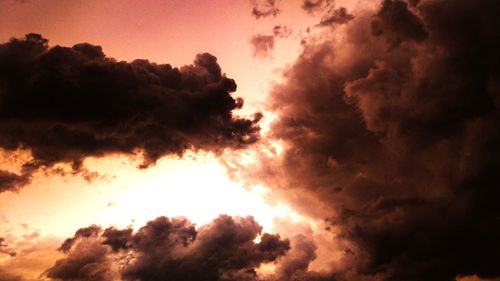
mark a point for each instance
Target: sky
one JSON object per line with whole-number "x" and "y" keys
{"x": 272, "y": 140}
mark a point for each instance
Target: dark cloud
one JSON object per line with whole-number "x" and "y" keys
{"x": 170, "y": 249}
{"x": 265, "y": 8}
{"x": 262, "y": 45}
{"x": 65, "y": 104}
{"x": 117, "y": 239}
{"x": 11, "y": 181}
{"x": 393, "y": 134}
{"x": 398, "y": 22}
{"x": 85, "y": 232}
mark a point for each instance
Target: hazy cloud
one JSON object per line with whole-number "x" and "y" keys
{"x": 262, "y": 45}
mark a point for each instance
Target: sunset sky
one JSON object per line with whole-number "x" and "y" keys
{"x": 271, "y": 140}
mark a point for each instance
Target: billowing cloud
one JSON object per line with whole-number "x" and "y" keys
{"x": 390, "y": 126}
{"x": 265, "y": 8}
{"x": 67, "y": 103}
{"x": 262, "y": 45}
{"x": 169, "y": 249}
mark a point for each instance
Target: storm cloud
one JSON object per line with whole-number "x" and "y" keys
{"x": 170, "y": 249}
{"x": 64, "y": 104}
{"x": 390, "y": 127}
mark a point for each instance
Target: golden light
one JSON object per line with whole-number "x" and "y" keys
{"x": 196, "y": 186}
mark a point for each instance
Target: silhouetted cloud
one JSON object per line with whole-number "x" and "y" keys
{"x": 170, "y": 249}
{"x": 391, "y": 130}
{"x": 65, "y": 104}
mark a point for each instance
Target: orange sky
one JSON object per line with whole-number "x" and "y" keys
{"x": 199, "y": 185}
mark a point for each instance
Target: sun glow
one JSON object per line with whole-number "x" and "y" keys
{"x": 198, "y": 189}
{"x": 196, "y": 186}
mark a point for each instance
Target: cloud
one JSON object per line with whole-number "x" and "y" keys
{"x": 11, "y": 181}
{"x": 170, "y": 249}
{"x": 67, "y": 103}
{"x": 295, "y": 264}
{"x": 336, "y": 16}
{"x": 330, "y": 15}
{"x": 281, "y": 31}
{"x": 33, "y": 256}
{"x": 264, "y": 8}
{"x": 400, "y": 24}
{"x": 4, "y": 249}
{"x": 262, "y": 45}
{"x": 6, "y": 276}
{"x": 313, "y": 6}
{"x": 389, "y": 126}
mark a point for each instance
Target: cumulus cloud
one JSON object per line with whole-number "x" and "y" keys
{"x": 170, "y": 249}
{"x": 67, "y": 103}
{"x": 390, "y": 129}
